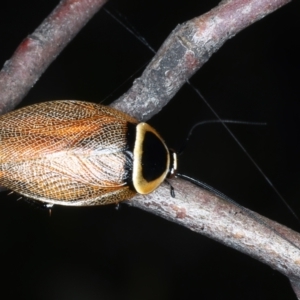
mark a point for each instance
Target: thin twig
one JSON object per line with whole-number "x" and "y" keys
{"x": 39, "y": 49}
{"x": 205, "y": 213}
{"x": 186, "y": 50}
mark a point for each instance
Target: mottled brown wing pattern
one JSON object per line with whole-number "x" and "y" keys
{"x": 65, "y": 152}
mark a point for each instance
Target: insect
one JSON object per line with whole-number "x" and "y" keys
{"x": 80, "y": 153}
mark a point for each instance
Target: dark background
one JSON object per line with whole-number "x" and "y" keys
{"x": 108, "y": 253}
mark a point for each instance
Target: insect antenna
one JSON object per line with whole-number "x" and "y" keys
{"x": 121, "y": 19}
{"x": 185, "y": 143}
{"x": 269, "y": 182}
{"x": 110, "y": 95}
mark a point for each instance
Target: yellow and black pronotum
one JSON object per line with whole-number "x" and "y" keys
{"x": 80, "y": 153}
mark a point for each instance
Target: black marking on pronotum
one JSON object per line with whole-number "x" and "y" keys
{"x": 149, "y": 159}
{"x": 153, "y": 161}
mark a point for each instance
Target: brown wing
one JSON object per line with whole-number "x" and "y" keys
{"x": 66, "y": 152}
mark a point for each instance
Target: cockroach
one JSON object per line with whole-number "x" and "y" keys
{"x": 79, "y": 153}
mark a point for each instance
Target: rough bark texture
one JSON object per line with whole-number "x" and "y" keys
{"x": 185, "y": 51}
{"x": 239, "y": 228}
{"x": 39, "y": 49}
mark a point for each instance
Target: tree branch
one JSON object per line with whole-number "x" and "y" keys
{"x": 39, "y": 49}
{"x": 186, "y": 50}
{"x": 205, "y": 213}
